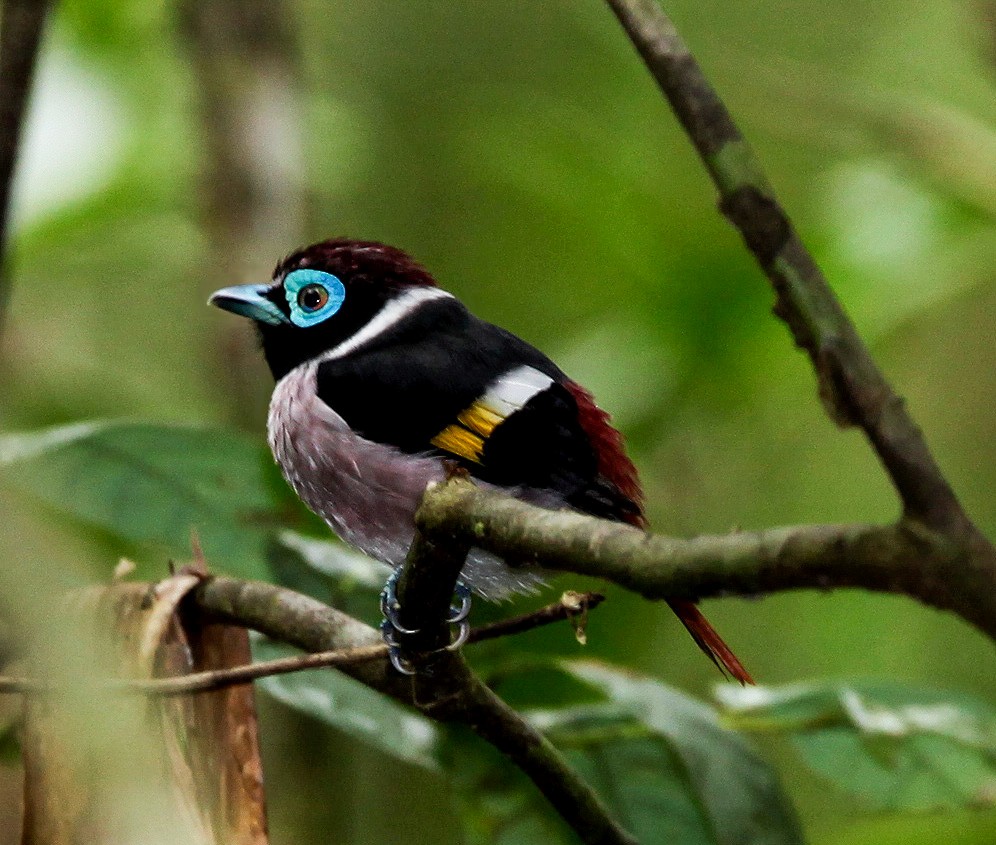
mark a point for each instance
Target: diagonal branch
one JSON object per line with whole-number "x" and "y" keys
{"x": 449, "y": 693}
{"x": 425, "y": 590}
{"x": 852, "y": 387}
{"x": 453, "y": 693}
{"x": 21, "y": 25}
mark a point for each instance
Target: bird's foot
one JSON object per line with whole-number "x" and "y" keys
{"x": 394, "y": 632}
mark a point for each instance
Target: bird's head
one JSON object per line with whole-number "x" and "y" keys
{"x": 328, "y": 298}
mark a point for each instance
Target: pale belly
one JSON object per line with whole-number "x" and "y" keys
{"x": 367, "y": 492}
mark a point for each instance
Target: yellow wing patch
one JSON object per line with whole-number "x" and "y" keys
{"x": 466, "y": 437}
{"x": 458, "y": 441}
{"x": 480, "y": 418}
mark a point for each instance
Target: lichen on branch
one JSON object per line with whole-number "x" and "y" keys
{"x": 908, "y": 558}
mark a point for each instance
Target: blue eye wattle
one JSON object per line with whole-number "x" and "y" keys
{"x": 313, "y": 296}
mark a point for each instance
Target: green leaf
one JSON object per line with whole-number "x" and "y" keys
{"x": 349, "y": 568}
{"x": 352, "y": 708}
{"x": 329, "y": 571}
{"x": 895, "y": 746}
{"x": 676, "y": 773}
{"x": 154, "y": 484}
{"x": 669, "y": 771}
{"x": 497, "y": 802}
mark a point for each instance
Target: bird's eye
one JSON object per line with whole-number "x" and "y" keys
{"x": 312, "y": 297}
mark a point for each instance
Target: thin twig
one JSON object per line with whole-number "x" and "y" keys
{"x": 213, "y": 679}
{"x": 221, "y": 678}
{"x": 852, "y": 387}
{"x": 21, "y": 25}
{"x": 570, "y": 606}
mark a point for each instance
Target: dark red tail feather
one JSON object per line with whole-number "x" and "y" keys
{"x": 615, "y": 466}
{"x": 709, "y": 641}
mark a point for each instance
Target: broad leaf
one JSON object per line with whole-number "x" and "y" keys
{"x": 895, "y": 746}
{"x": 154, "y": 484}
{"x": 329, "y": 571}
{"x": 662, "y": 762}
{"x": 688, "y": 772}
{"x": 497, "y": 802}
{"x": 351, "y": 707}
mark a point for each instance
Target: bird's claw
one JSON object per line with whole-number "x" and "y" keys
{"x": 458, "y": 616}
{"x": 391, "y": 625}
{"x": 458, "y": 613}
{"x": 401, "y": 663}
{"x": 463, "y": 632}
{"x": 390, "y": 607}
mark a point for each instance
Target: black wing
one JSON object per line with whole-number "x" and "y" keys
{"x": 425, "y": 387}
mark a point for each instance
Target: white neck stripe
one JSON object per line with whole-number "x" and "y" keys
{"x": 393, "y": 312}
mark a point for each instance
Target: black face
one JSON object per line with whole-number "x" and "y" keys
{"x": 323, "y": 312}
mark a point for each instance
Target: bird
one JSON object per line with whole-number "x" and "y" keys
{"x": 385, "y": 382}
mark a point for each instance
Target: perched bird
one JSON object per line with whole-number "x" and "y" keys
{"x": 384, "y": 380}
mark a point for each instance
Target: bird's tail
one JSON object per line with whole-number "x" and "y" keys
{"x": 709, "y": 641}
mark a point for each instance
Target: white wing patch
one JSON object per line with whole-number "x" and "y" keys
{"x": 511, "y": 391}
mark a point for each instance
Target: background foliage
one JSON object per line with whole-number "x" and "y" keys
{"x": 521, "y": 152}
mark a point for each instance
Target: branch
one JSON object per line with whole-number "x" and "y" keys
{"x": 448, "y": 692}
{"x": 21, "y": 25}
{"x": 477, "y": 707}
{"x": 853, "y": 389}
{"x": 215, "y": 679}
{"x": 570, "y": 605}
{"x": 221, "y": 678}
{"x": 908, "y": 558}
{"x": 425, "y": 590}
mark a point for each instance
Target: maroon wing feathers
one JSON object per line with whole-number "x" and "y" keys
{"x": 613, "y": 463}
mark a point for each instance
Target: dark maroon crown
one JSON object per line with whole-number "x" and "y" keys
{"x": 358, "y": 261}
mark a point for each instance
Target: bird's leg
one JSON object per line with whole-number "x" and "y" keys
{"x": 391, "y": 628}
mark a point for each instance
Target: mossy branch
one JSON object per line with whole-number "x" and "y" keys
{"x": 853, "y": 389}
{"x": 934, "y": 553}
{"x": 907, "y": 558}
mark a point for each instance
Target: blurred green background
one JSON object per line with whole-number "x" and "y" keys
{"x": 522, "y": 153}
